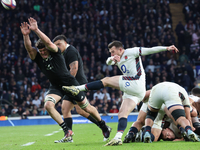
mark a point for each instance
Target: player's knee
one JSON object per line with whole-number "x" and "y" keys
{"x": 104, "y": 81}
{"x": 177, "y": 113}
{"x": 49, "y": 102}
{"x": 151, "y": 115}
{"x": 64, "y": 110}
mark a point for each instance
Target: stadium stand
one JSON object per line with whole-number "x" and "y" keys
{"x": 90, "y": 26}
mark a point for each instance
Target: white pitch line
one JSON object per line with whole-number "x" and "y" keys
{"x": 52, "y": 133}
{"x": 11, "y": 122}
{"x": 29, "y": 143}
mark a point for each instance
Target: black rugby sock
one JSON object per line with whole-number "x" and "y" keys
{"x": 134, "y": 130}
{"x": 102, "y": 125}
{"x": 96, "y": 85}
{"x": 68, "y": 122}
{"x": 64, "y": 127}
{"x": 92, "y": 120}
{"x": 122, "y": 123}
{"x": 188, "y": 128}
{"x": 147, "y": 129}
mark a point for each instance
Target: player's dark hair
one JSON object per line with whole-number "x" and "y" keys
{"x": 196, "y": 91}
{"x": 161, "y": 136}
{"x": 39, "y": 44}
{"x": 117, "y": 44}
{"x": 60, "y": 37}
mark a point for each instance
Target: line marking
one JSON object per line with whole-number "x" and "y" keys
{"x": 52, "y": 133}
{"x": 29, "y": 143}
{"x": 11, "y": 123}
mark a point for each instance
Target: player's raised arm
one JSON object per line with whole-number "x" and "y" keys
{"x": 47, "y": 42}
{"x": 32, "y": 52}
{"x": 156, "y": 49}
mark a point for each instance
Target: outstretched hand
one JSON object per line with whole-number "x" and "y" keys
{"x": 171, "y": 48}
{"x": 24, "y": 28}
{"x": 32, "y": 24}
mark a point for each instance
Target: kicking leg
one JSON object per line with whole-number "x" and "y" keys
{"x": 96, "y": 85}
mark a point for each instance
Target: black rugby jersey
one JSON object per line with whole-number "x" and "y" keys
{"x": 71, "y": 54}
{"x": 55, "y": 69}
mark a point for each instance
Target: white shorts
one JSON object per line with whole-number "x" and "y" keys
{"x": 169, "y": 95}
{"x": 133, "y": 89}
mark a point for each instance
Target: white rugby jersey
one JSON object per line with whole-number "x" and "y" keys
{"x": 176, "y": 131}
{"x": 130, "y": 62}
{"x": 194, "y": 98}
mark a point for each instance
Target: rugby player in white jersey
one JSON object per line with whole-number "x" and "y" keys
{"x": 132, "y": 82}
{"x": 170, "y": 132}
{"x": 195, "y": 96}
{"x": 177, "y": 102}
{"x": 167, "y": 134}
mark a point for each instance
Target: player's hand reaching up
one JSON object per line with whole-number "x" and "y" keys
{"x": 32, "y": 24}
{"x": 171, "y": 48}
{"x": 24, "y": 28}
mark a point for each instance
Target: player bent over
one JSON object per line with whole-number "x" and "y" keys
{"x": 177, "y": 102}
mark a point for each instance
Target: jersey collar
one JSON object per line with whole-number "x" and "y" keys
{"x": 65, "y": 48}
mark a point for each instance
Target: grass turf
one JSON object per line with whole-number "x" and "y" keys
{"x": 87, "y": 137}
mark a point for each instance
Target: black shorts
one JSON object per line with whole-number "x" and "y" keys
{"x": 57, "y": 90}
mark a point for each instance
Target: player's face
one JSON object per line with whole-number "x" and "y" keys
{"x": 114, "y": 51}
{"x": 44, "y": 52}
{"x": 168, "y": 134}
{"x": 61, "y": 44}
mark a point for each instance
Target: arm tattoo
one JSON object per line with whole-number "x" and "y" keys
{"x": 73, "y": 68}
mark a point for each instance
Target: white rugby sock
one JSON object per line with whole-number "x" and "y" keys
{"x": 81, "y": 87}
{"x": 118, "y": 135}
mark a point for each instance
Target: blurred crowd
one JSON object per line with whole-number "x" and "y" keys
{"x": 90, "y": 25}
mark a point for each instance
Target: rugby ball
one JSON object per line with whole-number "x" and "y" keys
{"x": 8, "y": 4}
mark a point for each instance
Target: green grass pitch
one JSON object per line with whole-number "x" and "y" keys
{"x": 87, "y": 137}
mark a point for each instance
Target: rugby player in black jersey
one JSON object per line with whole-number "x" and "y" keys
{"x": 51, "y": 62}
{"x": 74, "y": 64}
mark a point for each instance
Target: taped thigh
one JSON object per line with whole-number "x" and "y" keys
{"x": 84, "y": 105}
{"x": 151, "y": 115}
{"x": 49, "y": 98}
{"x": 178, "y": 113}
